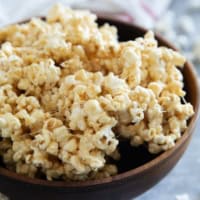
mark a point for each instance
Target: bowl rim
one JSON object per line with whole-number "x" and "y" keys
{"x": 133, "y": 172}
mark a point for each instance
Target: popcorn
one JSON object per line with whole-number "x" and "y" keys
{"x": 8, "y": 125}
{"x": 184, "y": 196}
{"x": 69, "y": 89}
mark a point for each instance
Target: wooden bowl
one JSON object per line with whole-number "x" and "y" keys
{"x": 138, "y": 170}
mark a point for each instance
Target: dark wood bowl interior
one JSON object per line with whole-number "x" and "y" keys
{"x": 138, "y": 169}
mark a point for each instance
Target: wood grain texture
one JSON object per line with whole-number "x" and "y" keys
{"x": 135, "y": 177}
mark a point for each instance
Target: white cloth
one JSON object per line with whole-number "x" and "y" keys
{"x": 143, "y": 12}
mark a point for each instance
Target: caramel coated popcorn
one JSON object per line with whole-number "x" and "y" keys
{"x": 69, "y": 90}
